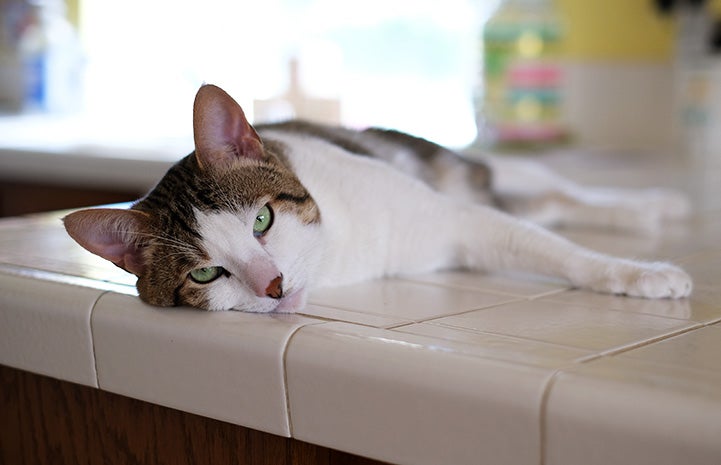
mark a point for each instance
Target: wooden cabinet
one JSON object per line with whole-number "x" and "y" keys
{"x": 46, "y": 421}
{"x": 23, "y": 197}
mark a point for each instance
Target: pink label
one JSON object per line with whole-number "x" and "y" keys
{"x": 535, "y": 76}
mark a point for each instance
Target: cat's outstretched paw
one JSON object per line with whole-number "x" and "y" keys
{"x": 650, "y": 280}
{"x": 661, "y": 280}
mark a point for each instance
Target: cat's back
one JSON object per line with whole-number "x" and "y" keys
{"x": 440, "y": 168}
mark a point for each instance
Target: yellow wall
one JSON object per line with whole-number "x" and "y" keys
{"x": 615, "y": 30}
{"x": 618, "y": 30}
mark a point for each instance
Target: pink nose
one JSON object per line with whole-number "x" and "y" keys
{"x": 263, "y": 278}
{"x": 275, "y": 288}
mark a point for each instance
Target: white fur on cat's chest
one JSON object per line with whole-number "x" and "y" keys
{"x": 376, "y": 221}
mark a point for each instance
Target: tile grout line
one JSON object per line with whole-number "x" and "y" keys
{"x": 407, "y": 320}
{"x": 285, "y": 381}
{"x": 433, "y": 320}
{"x": 646, "y": 342}
{"x": 550, "y": 383}
{"x": 328, "y": 319}
{"x": 713, "y": 322}
{"x": 487, "y": 290}
{"x": 343, "y": 309}
{"x": 284, "y": 360}
{"x": 553, "y": 292}
{"x": 543, "y": 414}
{"x": 92, "y": 337}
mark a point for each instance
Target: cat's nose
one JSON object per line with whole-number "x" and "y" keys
{"x": 275, "y": 288}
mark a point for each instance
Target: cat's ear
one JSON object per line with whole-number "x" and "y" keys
{"x": 222, "y": 133}
{"x": 116, "y": 235}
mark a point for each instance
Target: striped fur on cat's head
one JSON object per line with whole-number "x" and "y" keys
{"x": 228, "y": 226}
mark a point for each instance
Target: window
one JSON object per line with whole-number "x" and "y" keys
{"x": 405, "y": 64}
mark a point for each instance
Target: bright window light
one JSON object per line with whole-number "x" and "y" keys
{"x": 405, "y": 64}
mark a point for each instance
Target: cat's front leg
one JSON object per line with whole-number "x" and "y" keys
{"x": 495, "y": 240}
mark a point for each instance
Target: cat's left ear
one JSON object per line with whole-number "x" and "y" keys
{"x": 116, "y": 235}
{"x": 222, "y": 132}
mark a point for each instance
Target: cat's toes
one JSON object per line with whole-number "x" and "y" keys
{"x": 658, "y": 281}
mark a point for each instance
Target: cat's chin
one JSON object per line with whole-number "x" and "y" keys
{"x": 293, "y": 302}
{"x": 290, "y": 303}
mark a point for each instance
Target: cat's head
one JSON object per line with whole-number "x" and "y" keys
{"x": 228, "y": 226}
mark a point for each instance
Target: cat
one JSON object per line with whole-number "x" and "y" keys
{"x": 255, "y": 217}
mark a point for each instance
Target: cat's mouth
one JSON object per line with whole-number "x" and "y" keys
{"x": 292, "y": 301}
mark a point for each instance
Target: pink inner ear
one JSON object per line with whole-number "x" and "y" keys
{"x": 114, "y": 235}
{"x": 222, "y": 132}
{"x": 125, "y": 255}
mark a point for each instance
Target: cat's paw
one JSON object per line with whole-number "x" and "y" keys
{"x": 651, "y": 281}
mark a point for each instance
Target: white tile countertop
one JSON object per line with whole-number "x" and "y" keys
{"x": 448, "y": 368}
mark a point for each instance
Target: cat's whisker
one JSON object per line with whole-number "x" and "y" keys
{"x": 183, "y": 248}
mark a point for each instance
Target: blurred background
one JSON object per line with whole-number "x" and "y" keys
{"x": 633, "y": 75}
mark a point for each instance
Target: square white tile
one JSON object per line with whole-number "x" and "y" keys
{"x": 498, "y": 347}
{"x": 352, "y": 316}
{"x": 694, "y": 308}
{"x": 698, "y": 350}
{"x": 224, "y": 365}
{"x": 45, "y": 327}
{"x": 40, "y": 242}
{"x": 506, "y": 283}
{"x": 577, "y": 326}
{"x": 625, "y": 411}
{"x": 404, "y": 301}
{"x": 411, "y": 399}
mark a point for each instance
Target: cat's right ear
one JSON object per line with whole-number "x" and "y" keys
{"x": 116, "y": 235}
{"x": 221, "y": 131}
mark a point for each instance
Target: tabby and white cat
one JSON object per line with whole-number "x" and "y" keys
{"x": 256, "y": 217}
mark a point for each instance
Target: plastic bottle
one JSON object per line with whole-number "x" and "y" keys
{"x": 51, "y": 59}
{"x": 519, "y": 102}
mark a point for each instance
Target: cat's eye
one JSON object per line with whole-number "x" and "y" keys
{"x": 206, "y": 274}
{"x": 263, "y": 221}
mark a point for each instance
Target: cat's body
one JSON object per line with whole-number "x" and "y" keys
{"x": 253, "y": 220}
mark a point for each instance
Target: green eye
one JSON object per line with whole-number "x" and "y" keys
{"x": 263, "y": 221}
{"x": 206, "y": 274}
